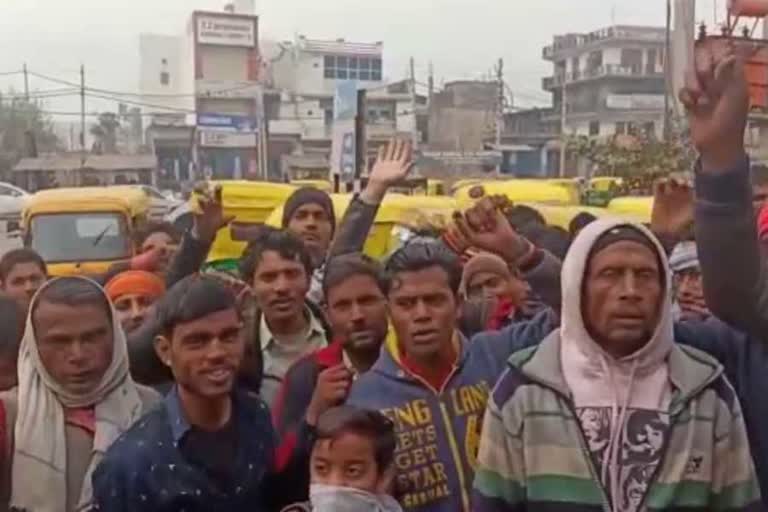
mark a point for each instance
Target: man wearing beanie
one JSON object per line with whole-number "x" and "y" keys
{"x": 608, "y": 412}
{"x": 487, "y": 276}
{"x": 309, "y": 214}
{"x": 133, "y": 293}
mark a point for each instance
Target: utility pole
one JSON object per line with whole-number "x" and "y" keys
{"x": 26, "y": 83}
{"x": 499, "y": 109}
{"x": 415, "y": 129}
{"x": 431, "y": 82}
{"x": 668, "y": 73}
{"x": 82, "y": 114}
{"x": 563, "y": 124}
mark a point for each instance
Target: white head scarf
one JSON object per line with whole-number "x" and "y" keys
{"x": 39, "y": 481}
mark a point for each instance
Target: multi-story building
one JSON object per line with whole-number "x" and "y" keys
{"x": 205, "y": 86}
{"x": 612, "y": 79}
{"x": 303, "y": 76}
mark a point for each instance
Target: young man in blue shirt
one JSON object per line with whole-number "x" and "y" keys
{"x": 209, "y": 446}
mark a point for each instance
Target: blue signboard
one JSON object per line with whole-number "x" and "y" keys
{"x": 229, "y": 122}
{"x": 345, "y": 100}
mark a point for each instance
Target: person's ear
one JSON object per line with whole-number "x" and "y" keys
{"x": 163, "y": 349}
{"x": 386, "y": 482}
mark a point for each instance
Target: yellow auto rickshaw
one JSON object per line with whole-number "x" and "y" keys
{"x": 251, "y": 203}
{"x": 605, "y": 183}
{"x": 535, "y": 191}
{"x": 562, "y": 216}
{"x": 83, "y": 231}
{"x": 323, "y": 185}
{"x": 635, "y": 209}
{"x": 397, "y": 213}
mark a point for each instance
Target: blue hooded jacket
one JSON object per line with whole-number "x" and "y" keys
{"x": 438, "y": 431}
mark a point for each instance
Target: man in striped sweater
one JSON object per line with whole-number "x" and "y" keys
{"x": 608, "y": 413}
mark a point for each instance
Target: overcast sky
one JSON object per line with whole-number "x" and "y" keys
{"x": 463, "y": 38}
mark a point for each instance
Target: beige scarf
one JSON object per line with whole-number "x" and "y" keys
{"x": 39, "y": 481}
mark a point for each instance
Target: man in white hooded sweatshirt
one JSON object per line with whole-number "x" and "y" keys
{"x": 608, "y": 413}
{"x": 74, "y": 398}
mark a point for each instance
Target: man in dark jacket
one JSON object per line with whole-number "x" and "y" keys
{"x": 309, "y": 213}
{"x": 735, "y": 278}
{"x": 355, "y": 289}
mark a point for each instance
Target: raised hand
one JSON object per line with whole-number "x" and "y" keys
{"x": 672, "y": 208}
{"x": 486, "y": 227}
{"x": 716, "y": 98}
{"x": 394, "y": 162}
{"x": 210, "y": 218}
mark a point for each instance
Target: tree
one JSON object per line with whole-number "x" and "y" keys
{"x": 639, "y": 159}
{"x": 25, "y": 130}
{"x": 105, "y": 132}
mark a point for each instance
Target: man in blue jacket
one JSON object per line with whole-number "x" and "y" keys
{"x": 431, "y": 382}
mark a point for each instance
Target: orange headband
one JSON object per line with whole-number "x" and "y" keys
{"x": 135, "y": 282}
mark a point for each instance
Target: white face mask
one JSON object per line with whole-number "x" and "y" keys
{"x": 333, "y": 498}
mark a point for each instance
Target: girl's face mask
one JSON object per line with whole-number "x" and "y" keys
{"x": 332, "y": 498}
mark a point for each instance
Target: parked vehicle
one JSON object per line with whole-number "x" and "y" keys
{"x": 83, "y": 231}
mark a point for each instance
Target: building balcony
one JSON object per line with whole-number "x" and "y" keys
{"x": 606, "y": 71}
{"x": 580, "y": 42}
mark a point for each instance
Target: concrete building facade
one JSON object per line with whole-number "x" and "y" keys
{"x": 302, "y": 77}
{"x": 613, "y": 80}
{"x": 206, "y": 85}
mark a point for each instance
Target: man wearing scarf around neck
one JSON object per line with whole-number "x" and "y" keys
{"x": 74, "y": 398}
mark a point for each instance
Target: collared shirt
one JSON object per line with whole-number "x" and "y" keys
{"x": 165, "y": 464}
{"x": 279, "y": 356}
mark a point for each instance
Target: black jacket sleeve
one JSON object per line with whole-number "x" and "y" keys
{"x": 188, "y": 260}
{"x": 354, "y": 228}
{"x": 735, "y": 277}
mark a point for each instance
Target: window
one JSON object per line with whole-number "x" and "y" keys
{"x": 649, "y": 129}
{"x": 165, "y": 77}
{"x": 594, "y": 127}
{"x": 352, "y": 68}
{"x": 621, "y": 128}
{"x": 330, "y": 66}
{"x": 80, "y": 237}
{"x": 632, "y": 59}
{"x": 7, "y": 191}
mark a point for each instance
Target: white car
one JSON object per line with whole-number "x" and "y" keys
{"x": 159, "y": 204}
{"x": 11, "y": 200}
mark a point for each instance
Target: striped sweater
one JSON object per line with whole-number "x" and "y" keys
{"x": 534, "y": 454}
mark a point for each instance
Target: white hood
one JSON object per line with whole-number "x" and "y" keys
{"x": 594, "y": 377}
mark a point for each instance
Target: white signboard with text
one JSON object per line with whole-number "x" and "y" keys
{"x": 226, "y": 31}
{"x": 221, "y": 139}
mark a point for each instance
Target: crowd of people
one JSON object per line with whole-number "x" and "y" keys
{"x": 495, "y": 364}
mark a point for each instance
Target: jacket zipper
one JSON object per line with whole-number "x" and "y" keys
{"x": 583, "y": 444}
{"x": 450, "y": 433}
{"x": 665, "y": 448}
